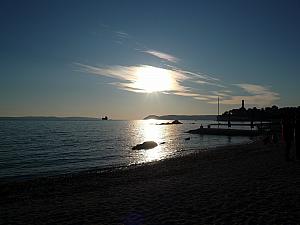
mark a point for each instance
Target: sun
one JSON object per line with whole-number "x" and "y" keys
{"x": 152, "y": 79}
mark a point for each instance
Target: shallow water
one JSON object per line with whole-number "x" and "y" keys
{"x": 34, "y": 148}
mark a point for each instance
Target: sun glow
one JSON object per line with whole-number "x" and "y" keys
{"x": 152, "y": 79}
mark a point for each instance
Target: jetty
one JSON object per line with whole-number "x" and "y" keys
{"x": 224, "y": 132}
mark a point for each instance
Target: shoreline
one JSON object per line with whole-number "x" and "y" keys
{"x": 113, "y": 168}
{"x": 241, "y": 184}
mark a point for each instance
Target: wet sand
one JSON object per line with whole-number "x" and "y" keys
{"x": 244, "y": 184}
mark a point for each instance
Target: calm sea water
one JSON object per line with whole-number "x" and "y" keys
{"x": 36, "y": 148}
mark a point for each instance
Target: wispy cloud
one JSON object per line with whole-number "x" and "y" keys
{"x": 122, "y": 34}
{"x": 199, "y": 78}
{"x": 119, "y": 72}
{"x": 255, "y": 89}
{"x": 129, "y": 77}
{"x": 162, "y": 55}
{"x": 138, "y": 78}
{"x": 254, "y": 95}
{"x": 121, "y": 37}
{"x": 184, "y": 81}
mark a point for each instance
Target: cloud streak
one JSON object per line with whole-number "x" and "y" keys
{"x": 182, "y": 82}
{"x": 128, "y": 78}
{"x": 254, "y": 95}
{"x": 208, "y": 87}
{"x": 163, "y": 56}
{"x": 122, "y": 34}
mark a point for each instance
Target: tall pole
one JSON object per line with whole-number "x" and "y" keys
{"x": 218, "y": 111}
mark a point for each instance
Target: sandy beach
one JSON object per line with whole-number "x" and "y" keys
{"x": 243, "y": 184}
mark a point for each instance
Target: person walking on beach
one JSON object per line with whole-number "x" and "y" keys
{"x": 288, "y": 134}
{"x": 297, "y": 136}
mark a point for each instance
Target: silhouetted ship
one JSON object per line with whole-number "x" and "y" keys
{"x": 105, "y": 118}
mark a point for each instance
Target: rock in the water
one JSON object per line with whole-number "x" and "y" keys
{"x": 145, "y": 145}
{"x": 173, "y": 122}
{"x": 176, "y": 122}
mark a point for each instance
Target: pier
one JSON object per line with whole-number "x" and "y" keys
{"x": 225, "y": 132}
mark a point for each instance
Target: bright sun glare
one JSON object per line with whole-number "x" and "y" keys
{"x": 151, "y": 79}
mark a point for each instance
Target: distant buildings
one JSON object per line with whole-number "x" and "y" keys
{"x": 256, "y": 114}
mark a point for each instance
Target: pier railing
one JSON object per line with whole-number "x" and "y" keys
{"x": 272, "y": 126}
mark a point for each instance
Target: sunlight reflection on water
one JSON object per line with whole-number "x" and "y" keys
{"x": 149, "y": 131}
{"x": 53, "y": 147}
{"x": 171, "y": 140}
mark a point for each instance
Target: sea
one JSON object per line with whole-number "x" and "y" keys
{"x": 45, "y": 148}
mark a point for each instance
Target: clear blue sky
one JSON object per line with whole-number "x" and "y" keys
{"x": 94, "y": 58}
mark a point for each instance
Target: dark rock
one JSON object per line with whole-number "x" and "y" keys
{"x": 172, "y": 123}
{"x": 176, "y": 122}
{"x": 145, "y": 145}
{"x": 188, "y": 138}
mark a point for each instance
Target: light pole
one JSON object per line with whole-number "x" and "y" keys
{"x": 218, "y": 111}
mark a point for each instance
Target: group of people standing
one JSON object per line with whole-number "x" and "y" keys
{"x": 291, "y": 134}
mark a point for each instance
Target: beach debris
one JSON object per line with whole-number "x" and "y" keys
{"x": 145, "y": 145}
{"x": 161, "y": 143}
{"x": 170, "y": 123}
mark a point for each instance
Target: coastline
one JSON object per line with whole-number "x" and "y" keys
{"x": 240, "y": 184}
{"x": 118, "y": 167}
{"x": 52, "y": 148}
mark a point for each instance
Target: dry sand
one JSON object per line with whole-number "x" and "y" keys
{"x": 246, "y": 184}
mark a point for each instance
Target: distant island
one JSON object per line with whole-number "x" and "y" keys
{"x": 182, "y": 117}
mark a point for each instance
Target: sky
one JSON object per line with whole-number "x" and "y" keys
{"x": 129, "y": 59}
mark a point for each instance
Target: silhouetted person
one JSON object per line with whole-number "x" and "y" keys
{"x": 274, "y": 134}
{"x": 229, "y": 123}
{"x": 275, "y": 138}
{"x": 288, "y": 134}
{"x": 297, "y": 136}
